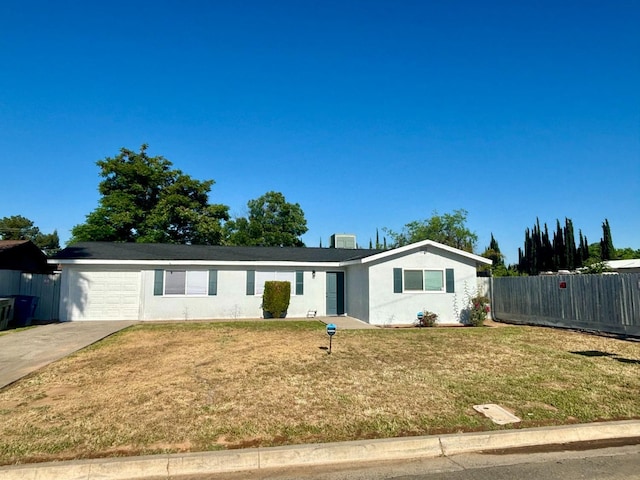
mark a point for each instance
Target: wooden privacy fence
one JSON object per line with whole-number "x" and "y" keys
{"x": 603, "y": 303}
{"x": 45, "y": 287}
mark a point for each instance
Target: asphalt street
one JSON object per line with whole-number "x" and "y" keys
{"x": 615, "y": 463}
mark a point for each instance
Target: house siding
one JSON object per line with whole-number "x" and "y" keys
{"x": 231, "y": 300}
{"x": 389, "y": 308}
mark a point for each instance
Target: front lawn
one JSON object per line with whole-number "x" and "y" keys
{"x": 203, "y": 386}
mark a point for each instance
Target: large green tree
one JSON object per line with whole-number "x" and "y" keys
{"x": 271, "y": 222}
{"x": 144, "y": 199}
{"x": 18, "y": 227}
{"x": 450, "y": 229}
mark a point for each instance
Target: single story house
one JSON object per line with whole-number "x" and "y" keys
{"x": 624, "y": 266}
{"x": 138, "y": 281}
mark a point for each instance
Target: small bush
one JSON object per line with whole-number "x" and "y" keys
{"x": 276, "y": 297}
{"x": 478, "y": 311}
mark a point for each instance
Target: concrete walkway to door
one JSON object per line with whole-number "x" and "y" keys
{"x": 347, "y": 323}
{"x": 28, "y": 350}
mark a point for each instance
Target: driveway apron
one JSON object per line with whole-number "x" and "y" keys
{"x": 29, "y": 350}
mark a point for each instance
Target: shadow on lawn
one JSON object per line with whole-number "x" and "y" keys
{"x": 614, "y": 356}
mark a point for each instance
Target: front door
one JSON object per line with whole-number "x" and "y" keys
{"x": 335, "y": 293}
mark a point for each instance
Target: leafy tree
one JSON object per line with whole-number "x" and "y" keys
{"x": 18, "y": 227}
{"x": 627, "y": 253}
{"x": 448, "y": 229}
{"x": 271, "y": 222}
{"x": 145, "y": 200}
{"x": 595, "y": 253}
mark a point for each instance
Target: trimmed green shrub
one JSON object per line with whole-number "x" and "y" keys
{"x": 276, "y": 297}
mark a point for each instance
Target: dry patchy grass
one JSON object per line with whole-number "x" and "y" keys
{"x": 191, "y": 387}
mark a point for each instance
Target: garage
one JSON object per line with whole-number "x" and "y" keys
{"x": 103, "y": 295}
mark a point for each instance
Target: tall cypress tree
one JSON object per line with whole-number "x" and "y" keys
{"x": 546, "y": 262}
{"x": 559, "y": 257}
{"x": 607, "y": 251}
{"x": 570, "y": 245}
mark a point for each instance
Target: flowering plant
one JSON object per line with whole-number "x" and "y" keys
{"x": 428, "y": 319}
{"x": 478, "y": 311}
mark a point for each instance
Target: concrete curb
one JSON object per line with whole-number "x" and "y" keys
{"x": 174, "y": 465}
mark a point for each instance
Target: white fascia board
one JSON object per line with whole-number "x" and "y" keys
{"x": 423, "y": 245}
{"x": 186, "y": 263}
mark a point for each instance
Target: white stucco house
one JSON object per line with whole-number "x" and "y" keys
{"x": 137, "y": 281}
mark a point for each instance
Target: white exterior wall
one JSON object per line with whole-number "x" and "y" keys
{"x": 389, "y": 308}
{"x": 101, "y": 293}
{"x": 231, "y": 301}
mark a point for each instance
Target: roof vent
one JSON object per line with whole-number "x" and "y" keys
{"x": 343, "y": 240}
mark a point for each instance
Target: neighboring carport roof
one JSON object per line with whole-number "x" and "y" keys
{"x": 93, "y": 251}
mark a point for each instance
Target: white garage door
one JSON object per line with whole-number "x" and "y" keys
{"x": 110, "y": 295}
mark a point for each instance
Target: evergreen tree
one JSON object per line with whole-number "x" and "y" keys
{"x": 377, "y": 239}
{"x": 559, "y": 252}
{"x": 492, "y": 252}
{"x": 607, "y": 251}
{"x": 541, "y": 254}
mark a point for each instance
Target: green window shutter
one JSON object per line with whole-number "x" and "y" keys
{"x": 397, "y": 280}
{"x": 251, "y": 282}
{"x": 213, "y": 282}
{"x": 158, "y": 282}
{"x": 299, "y": 282}
{"x": 451, "y": 286}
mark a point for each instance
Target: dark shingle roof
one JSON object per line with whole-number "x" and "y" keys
{"x": 167, "y": 251}
{"x": 22, "y": 255}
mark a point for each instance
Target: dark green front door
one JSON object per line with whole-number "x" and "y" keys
{"x": 335, "y": 293}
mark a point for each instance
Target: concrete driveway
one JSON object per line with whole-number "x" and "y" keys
{"x": 28, "y": 350}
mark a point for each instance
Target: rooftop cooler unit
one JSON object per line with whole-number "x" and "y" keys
{"x": 343, "y": 240}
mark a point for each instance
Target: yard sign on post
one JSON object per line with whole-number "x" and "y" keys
{"x": 331, "y": 331}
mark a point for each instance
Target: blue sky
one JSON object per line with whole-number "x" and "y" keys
{"x": 370, "y": 114}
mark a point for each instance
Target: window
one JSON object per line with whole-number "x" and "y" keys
{"x": 186, "y": 282}
{"x": 256, "y": 279}
{"x": 262, "y": 277}
{"x": 423, "y": 280}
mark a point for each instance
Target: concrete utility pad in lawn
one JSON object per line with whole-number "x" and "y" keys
{"x": 28, "y": 350}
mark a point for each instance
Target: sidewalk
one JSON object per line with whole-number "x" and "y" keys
{"x": 256, "y": 459}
